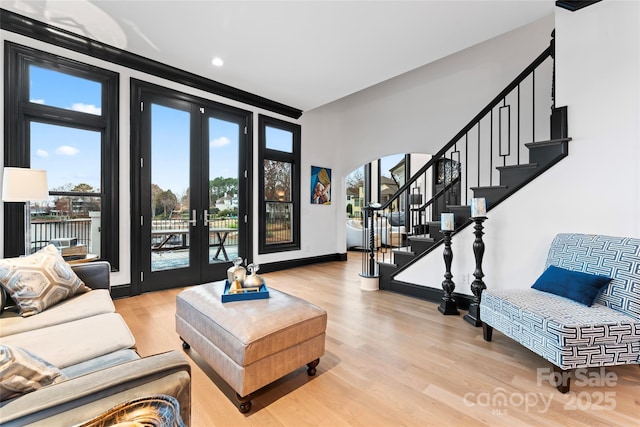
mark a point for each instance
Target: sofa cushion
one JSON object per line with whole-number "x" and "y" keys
{"x": 396, "y": 219}
{"x": 23, "y": 372}
{"x": 74, "y": 342}
{"x": 529, "y": 315}
{"x": 100, "y": 362}
{"x": 40, "y": 280}
{"x": 80, "y": 306}
{"x": 575, "y": 285}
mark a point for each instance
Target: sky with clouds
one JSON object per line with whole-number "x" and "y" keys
{"x": 72, "y": 156}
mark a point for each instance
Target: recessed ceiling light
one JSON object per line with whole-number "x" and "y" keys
{"x": 218, "y": 62}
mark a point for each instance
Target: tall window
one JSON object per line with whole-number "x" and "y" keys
{"x": 280, "y": 190}
{"x": 355, "y": 184}
{"x": 62, "y": 117}
{"x": 391, "y": 175}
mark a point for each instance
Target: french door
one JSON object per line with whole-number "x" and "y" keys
{"x": 192, "y": 198}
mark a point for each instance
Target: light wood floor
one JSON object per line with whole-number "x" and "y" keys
{"x": 390, "y": 360}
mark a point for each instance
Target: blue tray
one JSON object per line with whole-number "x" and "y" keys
{"x": 262, "y": 293}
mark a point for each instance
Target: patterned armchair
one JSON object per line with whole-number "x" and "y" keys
{"x": 567, "y": 333}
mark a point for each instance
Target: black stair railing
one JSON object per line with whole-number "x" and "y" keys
{"x": 495, "y": 138}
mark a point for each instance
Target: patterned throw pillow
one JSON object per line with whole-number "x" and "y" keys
{"x": 40, "y": 280}
{"x": 22, "y": 372}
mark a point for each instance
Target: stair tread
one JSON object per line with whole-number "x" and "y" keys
{"x": 422, "y": 238}
{"x": 547, "y": 142}
{"x": 489, "y": 187}
{"x": 520, "y": 166}
{"x": 402, "y": 250}
{"x": 387, "y": 264}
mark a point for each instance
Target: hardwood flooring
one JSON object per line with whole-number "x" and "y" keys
{"x": 391, "y": 360}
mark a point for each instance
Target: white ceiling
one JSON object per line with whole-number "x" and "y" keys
{"x": 300, "y": 53}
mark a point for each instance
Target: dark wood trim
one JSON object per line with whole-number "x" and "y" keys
{"x": 34, "y": 29}
{"x": 300, "y": 262}
{"x": 123, "y": 291}
{"x": 427, "y": 293}
{"x": 573, "y": 6}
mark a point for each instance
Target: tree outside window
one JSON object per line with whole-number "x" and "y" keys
{"x": 280, "y": 189}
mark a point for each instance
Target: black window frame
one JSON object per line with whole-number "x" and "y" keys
{"x": 20, "y": 112}
{"x": 294, "y": 159}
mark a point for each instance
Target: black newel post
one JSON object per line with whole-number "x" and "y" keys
{"x": 448, "y": 304}
{"x": 368, "y": 264}
{"x": 477, "y": 286}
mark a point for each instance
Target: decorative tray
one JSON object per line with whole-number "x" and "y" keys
{"x": 246, "y": 294}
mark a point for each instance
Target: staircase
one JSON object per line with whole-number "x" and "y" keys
{"x": 497, "y": 153}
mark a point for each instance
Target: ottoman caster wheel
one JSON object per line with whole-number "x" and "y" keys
{"x": 245, "y": 403}
{"x": 245, "y": 407}
{"x": 185, "y": 345}
{"x": 311, "y": 367}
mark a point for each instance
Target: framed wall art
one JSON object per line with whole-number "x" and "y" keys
{"x": 320, "y": 185}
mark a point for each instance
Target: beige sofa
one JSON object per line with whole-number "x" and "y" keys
{"x": 94, "y": 349}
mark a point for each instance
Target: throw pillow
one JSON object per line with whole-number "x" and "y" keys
{"x": 580, "y": 287}
{"x": 22, "y": 372}
{"x": 40, "y": 280}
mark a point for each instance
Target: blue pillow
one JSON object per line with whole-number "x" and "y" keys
{"x": 580, "y": 287}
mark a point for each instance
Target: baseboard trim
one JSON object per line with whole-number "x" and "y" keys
{"x": 301, "y": 262}
{"x": 124, "y": 291}
{"x": 427, "y": 293}
{"x": 121, "y": 291}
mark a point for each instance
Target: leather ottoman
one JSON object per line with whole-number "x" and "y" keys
{"x": 251, "y": 343}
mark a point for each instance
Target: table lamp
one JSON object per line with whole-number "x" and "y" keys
{"x": 25, "y": 185}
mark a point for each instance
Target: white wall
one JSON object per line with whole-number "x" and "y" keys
{"x": 596, "y": 189}
{"x": 417, "y": 112}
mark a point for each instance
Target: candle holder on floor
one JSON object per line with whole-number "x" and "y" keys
{"x": 477, "y": 286}
{"x": 448, "y": 304}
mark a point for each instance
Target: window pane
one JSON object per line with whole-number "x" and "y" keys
{"x": 67, "y": 218}
{"x": 390, "y": 178}
{"x": 279, "y": 223}
{"x": 70, "y": 156}
{"x": 278, "y": 139}
{"x": 62, "y": 90}
{"x": 170, "y": 196}
{"x": 277, "y": 181}
{"x": 355, "y": 192}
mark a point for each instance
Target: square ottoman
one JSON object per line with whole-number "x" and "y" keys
{"x": 250, "y": 343}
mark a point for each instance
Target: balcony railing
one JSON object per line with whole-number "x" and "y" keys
{"x": 180, "y": 240}
{"x": 43, "y": 231}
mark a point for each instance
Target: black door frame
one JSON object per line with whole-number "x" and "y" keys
{"x": 141, "y": 90}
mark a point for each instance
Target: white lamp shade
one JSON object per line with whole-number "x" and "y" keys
{"x": 24, "y": 185}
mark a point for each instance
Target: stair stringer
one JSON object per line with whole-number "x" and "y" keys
{"x": 390, "y": 280}
{"x": 430, "y": 264}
